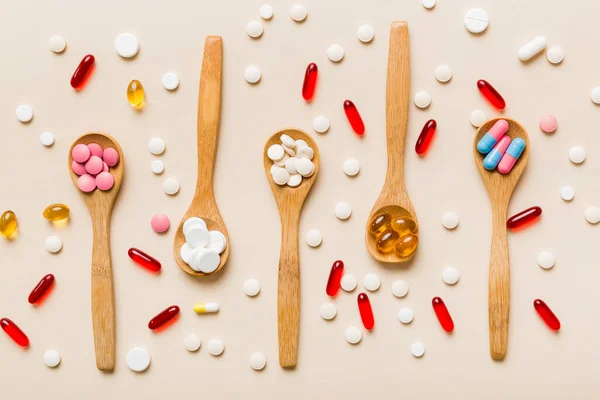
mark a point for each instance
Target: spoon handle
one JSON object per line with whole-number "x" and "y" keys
{"x": 499, "y": 285}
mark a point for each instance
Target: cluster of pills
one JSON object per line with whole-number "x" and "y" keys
{"x": 92, "y": 163}
{"x": 202, "y": 248}
{"x": 555, "y": 54}
{"x": 500, "y": 151}
{"x": 395, "y": 233}
{"x": 291, "y": 161}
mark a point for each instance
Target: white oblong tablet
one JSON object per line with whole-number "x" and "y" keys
{"x": 328, "y": 311}
{"x": 295, "y": 180}
{"x": 47, "y": 139}
{"x": 217, "y": 241}
{"x": 450, "y": 275}
{"x": 24, "y": 113}
{"x": 417, "y": 349}
{"x": 399, "y": 288}
{"x": 348, "y": 282}
{"x": 192, "y": 342}
{"x": 546, "y": 260}
{"x": 567, "y": 193}
{"x": 51, "y": 358}
{"x": 197, "y": 236}
{"x": 532, "y": 48}
{"x": 257, "y": 361}
{"x": 127, "y": 45}
{"x": 365, "y": 33}
{"x": 351, "y": 167}
{"x": 321, "y": 124}
{"x": 477, "y": 119}
{"x": 157, "y": 167}
{"x": 476, "y": 20}
{"x": 170, "y": 81}
{"x": 185, "y": 252}
{"x": 577, "y": 154}
{"x": 193, "y": 221}
{"x": 422, "y": 99}
{"x": 216, "y": 347}
{"x": 298, "y": 12}
{"x": 171, "y": 186}
{"x": 57, "y": 43}
{"x": 428, "y": 4}
{"x": 207, "y": 261}
{"x": 450, "y": 220}
{"x": 275, "y": 152}
{"x": 592, "y": 215}
{"x": 335, "y": 52}
{"x": 156, "y": 146}
{"x": 353, "y": 335}
{"x": 254, "y": 29}
{"x": 343, "y": 210}
{"x": 252, "y": 74}
{"x": 595, "y": 94}
{"x": 281, "y": 176}
{"x": 251, "y": 287}
{"x": 443, "y": 73}
{"x": 266, "y": 12}
{"x": 53, "y": 244}
{"x": 405, "y": 315}
{"x": 138, "y": 359}
{"x": 371, "y": 282}
{"x": 555, "y": 54}
{"x": 313, "y": 238}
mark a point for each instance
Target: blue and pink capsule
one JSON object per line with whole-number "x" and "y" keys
{"x": 514, "y": 151}
{"x": 493, "y": 158}
{"x": 487, "y": 142}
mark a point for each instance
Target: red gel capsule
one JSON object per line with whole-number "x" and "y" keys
{"x": 547, "y": 315}
{"x": 442, "y": 314}
{"x": 354, "y": 118}
{"x": 523, "y": 218}
{"x": 425, "y": 137}
{"x": 310, "y": 81}
{"x": 491, "y": 94}
{"x": 335, "y": 277}
{"x": 144, "y": 259}
{"x": 163, "y": 317}
{"x": 14, "y": 332}
{"x": 366, "y": 312}
{"x": 82, "y": 72}
{"x": 41, "y": 289}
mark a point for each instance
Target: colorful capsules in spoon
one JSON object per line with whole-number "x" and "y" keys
{"x": 442, "y": 313}
{"x": 546, "y": 314}
{"x": 514, "y": 151}
{"x": 487, "y": 142}
{"x": 354, "y": 118}
{"x": 366, "y": 311}
{"x": 143, "y": 259}
{"x": 8, "y": 223}
{"x": 335, "y": 277}
{"x": 14, "y": 332}
{"x": 56, "y": 212}
{"x": 425, "y": 137}
{"x": 41, "y": 289}
{"x": 491, "y": 94}
{"x": 310, "y": 81}
{"x": 491, "y": 161}
{"x": 163, "y": 317}
{"x": 135, "y": 94}
{"x": 83, "y": 72}
{"x": 523, "y": 218}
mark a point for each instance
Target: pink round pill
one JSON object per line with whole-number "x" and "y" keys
{"x": 548, "y": 123}
{"x": 86, "y": 183}
{"x": 95, "y": 149}
{"x": 160, "y": 223}
{"x": 105, "y": 181}
{"x": 78, "y": 168}
{"x": 94, "y": 165}
{"x": 111, "y": 157}
{"x": 81, "y": 153}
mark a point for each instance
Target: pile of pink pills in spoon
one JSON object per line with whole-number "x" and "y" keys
{"x": 92, "y": 163}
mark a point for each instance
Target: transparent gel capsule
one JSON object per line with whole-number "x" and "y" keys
{"x": 135, "y": 94}
{"x": 404, "y": 225}
{"x": 406, "y": 245}
{"x": 385, "y": 241}
{"x": 379, "y": 223}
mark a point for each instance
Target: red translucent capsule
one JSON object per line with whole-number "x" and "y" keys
{"x": 442, "y": 314}
{"x": 41, "y": 289}
{"x": 366, "y": 312}
{"x": 310, "y": 81}
{"x": 335, "y": 277}
{"x": 83, "y": 72}
{"x": 14, "y": 332}
{"x": 491, "y": 94}
{"x": 547, "y": 315}
{"x": 523, "y": 218}
{"x": 354, "y": 118}
{"x": 144, "y": 259}
{"x": 163, "y": 317}
{"x": 425, "y": 137}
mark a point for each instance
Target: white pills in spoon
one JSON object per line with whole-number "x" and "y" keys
{"x": 365, "y": 33}
{"x": 399, "y": 288}
{"x": 257, "y": 361}
{"x": 335, "y": 52}
{"x": 266, "y": 12}
{"x": 328, "y": 311}
{"x": 443, "y": 73}
{"x": 156, "y": 146}
{"x": 47, "y": 139}
{"x": 321, "y": 124}
{"x": 170, "y": 81}
{"x": 592, "y": 215}
{"x": 157, "y": 167}
{"x": 546, "y": 260}
{"x": 127, "y": 45}
{"x": 371, "y": 282}
{"x": 24, "y": 113}
{"x": 405, "y": 315}
{"x": 477, "y": 119}
{"x": 351, "y": 167}
{"x": 476, "y": 20}
{"x": 57, "y": 43}
{"x": 251, "y": 287}
{"x": 51, "y": 358}
{"x": 192, "y": 342}
{"x": 577, "y": 154}
{"x": 313, "y": 238}
{"x": 171, "y": 186}
{"x": 254, "y": 29}
{"x": 252, "y": 74}
{"x": 422, "y": 99}
{"x": 450, "y": 275}
{"x": 353, "y": 335}
{"x": 298, "y": 12}
{"x": 348, "y": 282}
{"x": 53, "y": 244}
{"x": 450, "y": 220}
{"x": 138, "y": 359}
{"x": 216, "y": 347}
{"x": 343, "y": 210}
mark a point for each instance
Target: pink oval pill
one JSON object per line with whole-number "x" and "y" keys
{"x": 548, "y": 123}
{"x": 86, "y": 183}
{"x": 78, "y": 168}
{"x": 105, "y": 181}
{"x": 95, "y": 149}
{"x": 81, "y": 153}
{"x": 94, "y": 165}
{"x": 111, "y": 157}
{"x": 160, "y": 223}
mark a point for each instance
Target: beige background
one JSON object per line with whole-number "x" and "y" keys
{"x": 540, "y": 364}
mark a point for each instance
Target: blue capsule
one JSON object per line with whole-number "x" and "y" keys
{"x": 491, "y": 161}
{"x": 487, "y": 142}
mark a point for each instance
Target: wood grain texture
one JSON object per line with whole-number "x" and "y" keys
{"x": 394, "y": 197}
{"x": 204, "y": 204}
{"x": 100, "y": 204}
{"x": 289, "y": 203}
{"x": 500, "y": 188}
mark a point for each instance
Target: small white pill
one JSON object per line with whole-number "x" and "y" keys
{"x": 47, "y": 139}
{"x": 353, "y": 335}
{"x": 298, "y": 12}
{"x": 399, "y": 288}
{"x": 305, "y": 152}
{"x": 254, "y": 29}
{"x": 127, "y": 45}
{"x": 281, "y": 163}
{"x": 371, "y": 282}
{"x": 192, "y": 222}
{"x": 57, "y": 43}
{"x": 24, "y": 113}
{"x": 476, "y": 20}
{"x": 252, "y": 74}
{"x": 206, "y": 261}
{"x": 138, "y": 359}
{"x": 428, "y": 4}
{"x": 295, "y": 180}
{"x": 595, "y": 94}
{"x": 157, "y": 167}
{"x": 405, "y": 315}
{"x": 171, "y": 186}
{"x": 313, "y": 238}
{"x": 216, "y": 347}
{"x": 577, "y": 154}
{"x": 532, "y": 48}
{"x": 301, "y": 143}
{"x": 170, "y": 81}
{"x": 53, "y": 244}
{"x": 417, "y": 349}
{"x": 305, "y": 167}
{"x": 335, "y": 52}
{"x": 185, "y": 252}
{"x": 450, "y": 220}
{"x": 197, "y": 236}
{"x": 443, "y": 73}
{"x": 156, "y": 146}
{"x": 555, "y": 54}
{"x": 343, "y": 210}
{"x": 290, "y": 165}
{"x": 51, "y": 358}
{"x": 275, "y": 152}
{"x": 477, "y": 119}
{"x": 321, "y": 124}
{"x": 351, "y": 167}
{"x": 288, "y": 141}
{"x": 281, "y": 176}
{"x": 266, "y": 12}
{"x": 592, "y": 215}
{"x": 567, "y": 193}
{"x": 348, "y": 282}
{"x": 546, "y": 260}
{"x": 257, "y": 361}
{"x": 365, "y": 33}
{"x": 251, "y": 287}
{"x": 450, "y": 275}
{"x": 422, "y": 99}
{"x": 217, "y": 241}
{"x": 192, "y": 342}
{"x": 328, "y": 311}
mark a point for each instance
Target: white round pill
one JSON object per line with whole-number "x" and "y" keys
{"x": 595, "y": 94}
{"x": 156, "y": 146}
{"x": 321, "y": 124}
{"x": 288, "y": 141}
{"x": 197, "y": 236}
{"x": 422, "y": 99}
{"x": 281, "y": 176}
{"x": 592, "y": 215}
{"x": 555, "y": 54}
{"x": 546, "y": 260}
{"x": 47, "y": 138}
{"x": 127, "y": 45}
{"x": 343, "y": 210}
{"x": 24, "y": 113}
{"x": 305, "y": 167}
{"x": 305, "y": 152}
{"x": 157, "y": 167}
{"x": 216, "y": 347}
{"x": 298, "y": 12}
{"x": 428, "y": 4}
{"x": 186, "y": 252}
{"x": 51, "y": 358}
{"x": 252, "y": 74}
{"x": 405, "y": 315}
{"x": 53, "y": 244}
{"x": 313, "y": 238}
{"x": 328, "y": 311}
{"x": 207, "y": 261}
{"x": 371, "y": 282}
{"x": 57, "y": 43}
{"x": 450, "y": 220}
{"x": 257, "y": 361}
{"x": 577, "y": 154}
{"x": 217, "y": 241}
{"x": 417, "y": 349}
{"x": 281, "y": 163}
{"x": 365, "y": 33}
{"x": 171, "y": 186}
{"x": 266, "y": 12}
{"x": 477, "y": 119}
{"x": 254, "y": 29}
{"x": 567, "y": 193}
{"x": 335, "y": 52}
{"x": 192, "y": 222}
{"x": 170, "y": 81}
{"x": 351, "y": 167}
{"x": 450, "y": 275}
{"x": 476, "y": 20}
{"x": 251, "y": 287}
{"x": 443, "y": 73}
{"x": 138, "y": 359}
{"x": 399, "y": 288}
{"x": 348, "y": 282}
{"x": 353, "y": 335}
{"x": 295, "y": 180}
{"x": 192, "y": 342}
{"x": 275, "y": 152}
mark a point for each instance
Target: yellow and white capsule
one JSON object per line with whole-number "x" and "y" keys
{"x": 203, "y": 308}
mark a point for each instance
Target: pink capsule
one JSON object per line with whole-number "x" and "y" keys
{"x": 514, "y": 151}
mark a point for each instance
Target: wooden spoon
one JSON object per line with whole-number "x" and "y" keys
{"x": 394, "y": 198}
{"x": 100, "y": 204}
{"x": 204, "y": 204}
{"x": 289, "y": 202}
{"x": 500, "y": 188}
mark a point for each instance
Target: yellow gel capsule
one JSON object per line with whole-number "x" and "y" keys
{"x": 8, "y": 223}
{"x": 404, "y": 225}
{"x": 203, "y": 308}
{"x": 135, "y": 94}
{"x": 385, "y": 241}
{"x": 379, "y": 223}
{"x": 56, "y": 212}
{"x": 407, "y": 245}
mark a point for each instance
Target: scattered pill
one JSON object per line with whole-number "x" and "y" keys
{"x": 577, "y": 154}
{"x": 170, "y": 81}
{"x": 127, "y": 45}
{"x": 216, "y": 347}
{"x": 422, "y": 99}
{"x": 354, "y": 117}
{"x": 365, "y": 33}
{"x": 476, "y": 20}
{"x": 546, "y": 260}
{"x": 425, "y": 137}
{"x": 171, "y": 186}
{"x": 143, "y": 259}
{"x": 335, "y": 278}
{"x": 487, "y": 142}
{"x": 8, "y": 223}
{"x": 555, "y": 54}
{"x": 321, "y": 124}
{"x": 47, "y": 139}
{"x": 366, "y": 311}
{"x": 160, "y": 223}
{"x": 205, "y": 308}
{"x": 442, "y": 314}
{"x": 136, "y": 95}
{"x": 266, "y": 12}
{"x": 14, "y": 332}
{"x": 24, "y": 113}
{"x": 510, "y": 158}
{"x": 478, "y": 118}
{"x": 298, "y": 12}
{"x": 348, "y": 283}
{"x": 399, "y": 288}
{"x": 310, "y": 84}
{"x": 417, "y": 349}
{"x": 110, "y": 156}
{"x": 313, "y": 238}
{"x": 57, "y": 43}
{"x": 157, "y": 167}
{"x": 40, "y": 290}
{"x": 252, "y": 74}
{"x": 343, "y": 210}
{"x": 328, "y": 311}
{"x": 254, "y": 29}
{"x": 353, "y": 335}
{"x": 138, "y": 359}
{"x": 530, "y": 49}
{"x": 595, "y": 94}
{"x": 257, "y": 361}
{"x": 567, "y": 193}
{"x": 156, "y": 146}
{"x": 83, "y": 72}
{"x": 450, "y": 220}
{"x": 548, "y": 123}
{"x": 371, "y": 282}
{"x": 491, "y": 94}
{"x": 86, "y": 183}
{"x": 51, "y": 358}
{"x": 450, "y": 275}
{"x": 405, "y": 315}
{"x": 592, "y": 215}
{"x": 351, "y": 167}
{"x": 53, "y": 244}
{"x": 56, "y": 212}
{"x": 524, "y": 217}
{"x": 335, "y": 52}
{"x": 443, "y": 73}
{"x": 192, "y": 342}
{"x": 546, "y": 314}
{"x": 251, "y": 287}
{"x": 163, "y": 317}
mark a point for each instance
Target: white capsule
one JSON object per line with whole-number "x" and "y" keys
{"x": 532, "y": 48}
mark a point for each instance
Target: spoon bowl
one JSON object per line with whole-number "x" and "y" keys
{"x": 395, "y": 212}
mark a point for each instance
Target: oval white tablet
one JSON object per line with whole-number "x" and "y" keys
{"x": 353, "y": 335}
{"x": 399, "y": 288}
{"x": 171, "y": 186}
{"x": 422, "y": 99}
{"x": 170, "y": 81}
{"x": 546, "y": 260}
{"x": 555, "y": 54}
{"x": 197, "y": 236}
{"x": 417, "y": 349}
{"x": 156, "y": 146}
{"x": 313, "y": 238}
{"x": 328, "y": 311}
{"x": 207, "y": 261}
{"x": 191, "y": 222}
{"x": 592, "y": 215}
{"x": 295, "y": 180}
{"x": 24, "y": 113}
{"x": 348, "y": 282}
{"x": 47, "y": 139}
{"x": 57, "y": 43}
{"x": 254, "y": 29}
{"x": 567, "y": 193}
{"x": 157, "y": 167}
{"x": 450, "y": 220}
{"x": 252, "y": 74}
{"x": 138, "y": 359}
{"x": 53, "y": 244}
{"x": 192, "y": 342}
{"x": 351, "y": 167}
{"x": 298, "y": 12}
{"x": 478, "y": 118}
{"x": 450, "y": 275}
{"x": 365, "y": 33}
{"x": 335, "y": 52}
{"x": 257, "y": 361}
{"x": 216, "y": 347}
{"x": 127, "y": 45}
{"x": 371, "y": 282}
{"x": 532, "y": 48}
{"x": 217, "y": 241}
{"x": 443, "y": 73}
{"x": 476, "y": 20}
{"x": 266, "y": 12}
{"x": 275, "y": 152}
{"x": 405, "y": 315}
{"x": 51, "y": 358}
{"x": 428, "y": 4}
{"x": 595, "y": 94}
{"x": 321, "y": 124}
{"x": 281, "y": 176}
{"x": 343, "y": 210}
{"x": 577, "y": 154}
{"x": 251, "y": 287}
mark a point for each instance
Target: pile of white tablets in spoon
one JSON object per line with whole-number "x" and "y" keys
{"x": 202, "y": 248}
{"x": 291, "y": 161}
